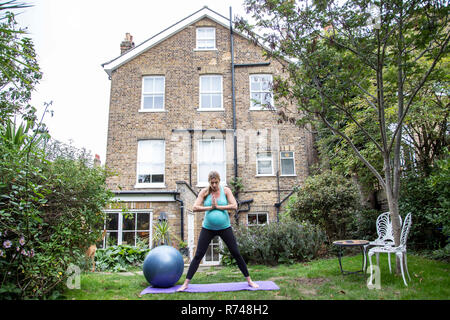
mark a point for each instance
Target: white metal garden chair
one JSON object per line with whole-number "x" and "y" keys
{"x": 385, "y": 236}
{"x": 399, "y": 251}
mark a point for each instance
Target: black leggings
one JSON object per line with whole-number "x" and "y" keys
{"x": 205, "y": 238}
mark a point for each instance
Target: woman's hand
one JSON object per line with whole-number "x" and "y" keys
{"x": 213, "y": 202}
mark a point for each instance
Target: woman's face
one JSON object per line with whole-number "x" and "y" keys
{"x": 214, "y": 183}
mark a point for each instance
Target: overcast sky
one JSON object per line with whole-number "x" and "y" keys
{"x": 73, "y": 38}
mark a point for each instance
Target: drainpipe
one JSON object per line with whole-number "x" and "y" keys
{"x": 278, "y": 193}
{"x": 190, "y": 157}
{"x": 181, "y": 215}
{"x": 233, "y": 99}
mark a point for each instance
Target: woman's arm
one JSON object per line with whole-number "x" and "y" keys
{"x": 198, "y": 205}
{"x": 232, "y": 204}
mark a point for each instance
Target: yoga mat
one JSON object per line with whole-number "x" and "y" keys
{"x": 215, "y": 287}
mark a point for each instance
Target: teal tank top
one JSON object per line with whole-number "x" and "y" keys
{"x": 216, "y": 219}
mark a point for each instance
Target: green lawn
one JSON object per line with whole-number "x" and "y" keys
{"x": 316, "y": 280}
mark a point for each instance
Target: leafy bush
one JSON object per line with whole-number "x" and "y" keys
{"x": 50, "y": 203}
{"x": 439, "y": 181}
{"x": 283, "y": 242}
{"x": 363, "y": 225}
{"x": 419, "y": 198}
{"x": 119, "y": 258}
{"x": 50, "y": 212}
{"x": 428, "y": 199}
{"x": 327, "y": 200}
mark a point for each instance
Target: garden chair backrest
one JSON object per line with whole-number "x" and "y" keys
{"x": 384, "y": 227}
{"x": 405, "y": 230}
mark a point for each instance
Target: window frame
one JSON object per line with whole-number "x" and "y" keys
{"x": 200, "y": 108}
{"x": 257, "y": 164}
{"x": 151, "y": 184}
{"x": 260, "y": 107}
{"x": 143, "y": 94}
{"x": 257, "y": 214}
{"x": 213, "y": 247}
{"x": 223, "y": 177}
{"x": 281, "y": 164}
{"x": 197, "y": 48}
{"x": 120, "y": 230}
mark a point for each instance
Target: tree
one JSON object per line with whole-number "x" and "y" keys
{"x": 51, "y": 197}
{"x": 19, "y": 69}
{"x": 350, "y": 54}
{"x": 426, "y": 126}
{"x": 336, "y": 154}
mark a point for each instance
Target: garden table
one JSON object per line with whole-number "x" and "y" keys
{"x": 351, "y": 243}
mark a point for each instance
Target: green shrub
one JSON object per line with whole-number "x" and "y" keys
{"x": 119, "y": 258}
{"x": 421, "y": 199}
{"x": 441, "y": 254}
{"x": 283, "y": 242}
{"x": 327, "y": 200}
{"x": 428, "y": 199}
{"x": 363, "y": 224}
{"x": 439, "y": 181}
{"x": 50, "y": 212}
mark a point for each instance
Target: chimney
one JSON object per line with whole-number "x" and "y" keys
{"x": 126, "y": 44}
{"x": 97, "y": 161}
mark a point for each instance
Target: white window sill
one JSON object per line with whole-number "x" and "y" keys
{"x": 210, "y": 109}
{"x": 150, "y": 185}
{"x": 258, "y": 224}
{"x": 150, "y": 110}
{"x": 206, "y": 184}
{"x": 209, "y": 49}
{"x": 264, "y": 175}
{"x": 288, "y": 175}
{"x": 262, "y": 109}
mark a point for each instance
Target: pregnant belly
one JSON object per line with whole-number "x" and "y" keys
{"x": 217, "y": 218}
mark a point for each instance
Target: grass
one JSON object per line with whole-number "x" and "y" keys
{"x": 315, "y": 280}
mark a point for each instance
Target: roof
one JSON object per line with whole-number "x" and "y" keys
{"x": 204, "y": 12}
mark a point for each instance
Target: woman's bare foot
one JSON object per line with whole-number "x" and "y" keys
{"x": 251, "y": 283}
{"x": 184, "y": 286}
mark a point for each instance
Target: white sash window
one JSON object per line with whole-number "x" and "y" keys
{"x": 211, "y": 93}
{"x": 287, "y": 163}
{"x": 211, "y": 157}
{"x": 261, "y": 97}
{"x": 150, "y": 163}
{"x": 264, "y": 164}
{"x": 153, "y": 88}
{"x": 206, "y": 38}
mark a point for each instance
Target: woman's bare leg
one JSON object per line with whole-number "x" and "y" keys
{"x": 251, "y": 283}
{"x": 184, "y": 286}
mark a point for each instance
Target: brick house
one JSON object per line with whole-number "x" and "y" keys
{"x": 173, "y": 116}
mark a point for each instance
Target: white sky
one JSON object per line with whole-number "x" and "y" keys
{"x": 73, "y": 38}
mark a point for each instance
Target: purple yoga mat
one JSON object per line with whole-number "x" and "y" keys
{"x": 215, "y": 287}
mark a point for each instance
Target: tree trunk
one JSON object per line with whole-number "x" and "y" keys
{"x": 392, "y": 199}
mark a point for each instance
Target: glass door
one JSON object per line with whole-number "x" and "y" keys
{"x": 212, "y": 256}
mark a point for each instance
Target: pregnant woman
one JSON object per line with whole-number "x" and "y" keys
{"x": 216, "y": 200}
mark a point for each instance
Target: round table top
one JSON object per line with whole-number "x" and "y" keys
{"x": 351, "y": 242}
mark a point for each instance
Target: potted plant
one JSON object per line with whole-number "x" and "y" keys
{"x": 183, "y": 247}
{"x": 161, "y": 235}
